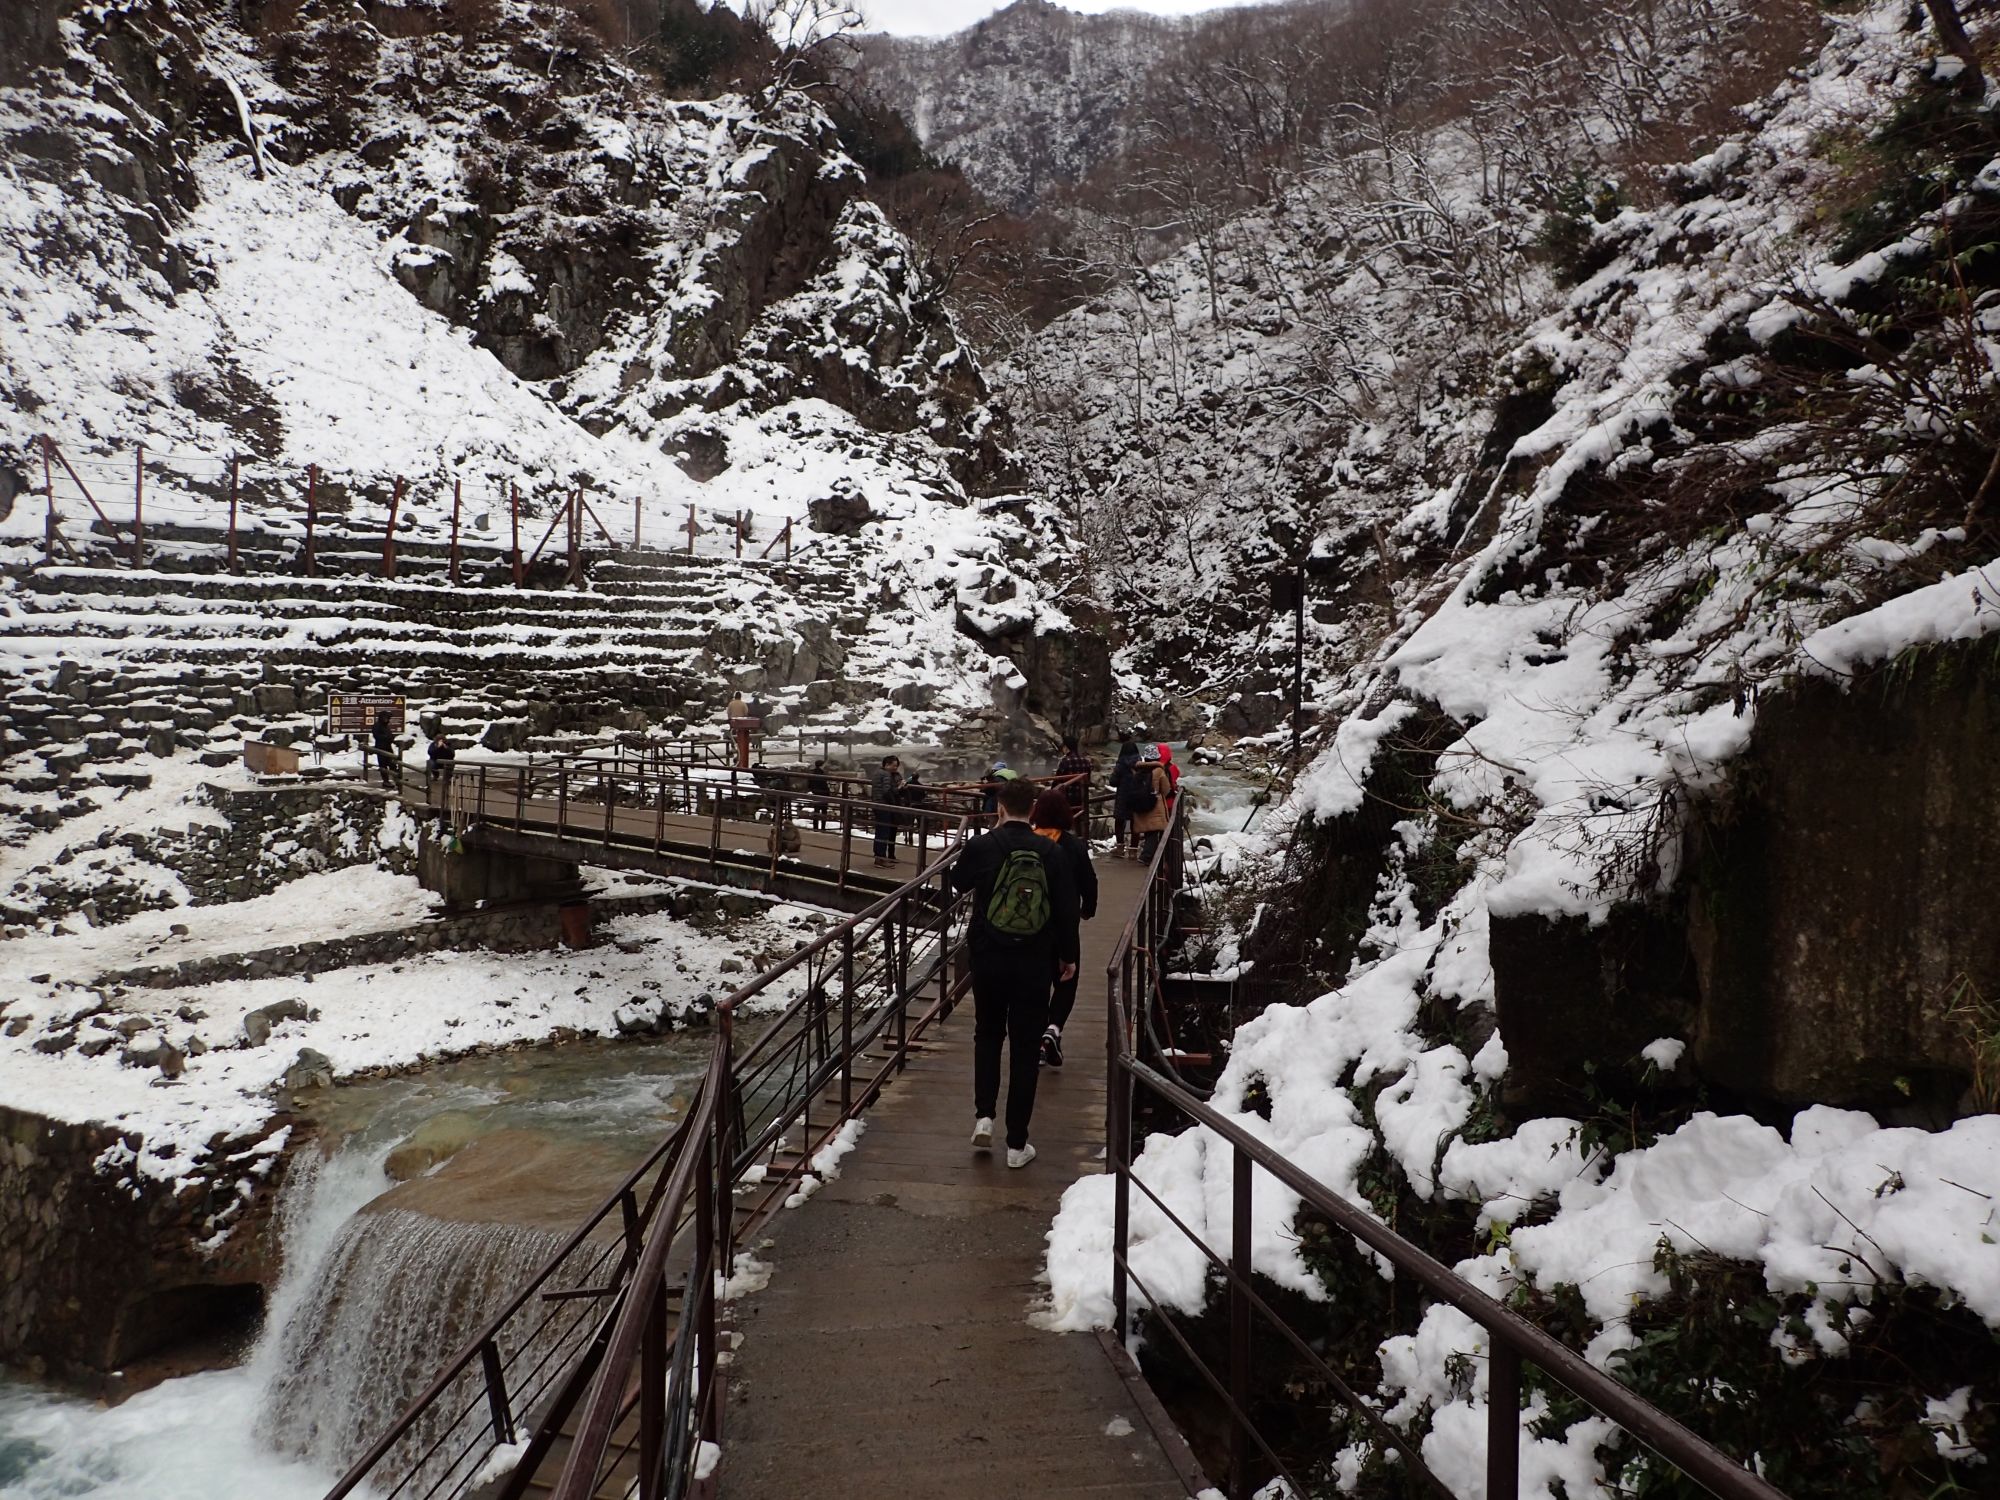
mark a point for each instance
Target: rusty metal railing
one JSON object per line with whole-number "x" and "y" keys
{"x": 1131, "y": 979}
{"x": 715, "y": 816}
{"x": 631, "y": 1367}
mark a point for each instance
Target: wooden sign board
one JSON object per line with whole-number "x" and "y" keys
{"x": 354, "y": 713}
{"x": 270, "y": 760}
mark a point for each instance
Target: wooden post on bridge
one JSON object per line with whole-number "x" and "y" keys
{"x": 312, "y": 512}
{"x": 635, "y": 523}
{"x": 389, "y": 535}
{"x": 235, "y": 486}
{"x": 514, "y": 507}
{"x": 739, "y": 534}
{"x": 457, "y": 498}
{"x": 691, "y": 528}
{"x": 139, "y": 507}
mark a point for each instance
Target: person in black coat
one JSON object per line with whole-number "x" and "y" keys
{"x": 1013, "y": 973}
{"x": 1123, "y": 775}
{"x": 818, "y": 786}
{"x": 439, "y": 762}
{"x": 1051, "y": 817}
{"x": 385, "y": 751}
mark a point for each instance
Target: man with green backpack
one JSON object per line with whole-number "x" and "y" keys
{"x": 1024, "y": 936}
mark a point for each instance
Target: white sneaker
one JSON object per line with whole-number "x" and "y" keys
{"x": 982, "y": 1134}
{"x": 1022, "y": 1157}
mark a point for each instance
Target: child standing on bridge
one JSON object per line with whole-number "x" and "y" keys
{"x": 1024, "y": 938}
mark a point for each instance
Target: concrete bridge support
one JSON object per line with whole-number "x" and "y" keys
{"x": 465, "y": 874}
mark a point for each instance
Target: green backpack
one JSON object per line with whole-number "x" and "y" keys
{"x": 1019, "y": 905}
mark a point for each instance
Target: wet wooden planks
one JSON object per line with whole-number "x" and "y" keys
{"x": 892, "y": 1352}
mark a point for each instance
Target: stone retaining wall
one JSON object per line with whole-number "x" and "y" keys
{"x": 99, "y": 1269}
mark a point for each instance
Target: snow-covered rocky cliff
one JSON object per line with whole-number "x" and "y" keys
{"x": 469, "y": 246}
{"x": 1027, "y": 102}
{"x": 1648, "y": 522}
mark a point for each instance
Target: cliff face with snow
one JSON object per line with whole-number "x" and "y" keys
{"x": 468, "y": 249}
{"x": 1027, "y": 102}
{"x": 642, "y": 269}
{"x": 1652, "y": 558}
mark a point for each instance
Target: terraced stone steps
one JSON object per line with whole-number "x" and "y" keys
{"x": 185, "y": 654}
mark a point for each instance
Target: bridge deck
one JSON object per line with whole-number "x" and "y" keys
{"x": 828, "y": 855}
{"x": 892, "y": 1352}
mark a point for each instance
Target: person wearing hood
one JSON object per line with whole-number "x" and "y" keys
{"x": 1173, "y": 771}
{"x": 1052, "y": 818}
{"x": 1123, "y": 772}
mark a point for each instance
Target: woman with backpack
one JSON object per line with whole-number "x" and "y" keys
{"x": 1150, "y": 790}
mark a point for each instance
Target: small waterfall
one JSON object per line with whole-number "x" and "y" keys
{"x": 393, "y": 1298}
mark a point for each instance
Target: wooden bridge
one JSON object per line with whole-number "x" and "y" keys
{"x": 893, "y": 1351}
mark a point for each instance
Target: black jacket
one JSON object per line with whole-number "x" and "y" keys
{"x": 978, "y": 868}
{"x": 1081, "y": 874}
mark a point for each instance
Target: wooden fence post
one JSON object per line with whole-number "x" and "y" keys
{"x": 635, "y": 523}
{"x": 389, "y": 535}
{"x": 457, "y": 498}
{"x": 312, "y": 512}
{"x": 514, "y": 506}
{"x": 235, "y": 485}
{"x": 139, "y": 507}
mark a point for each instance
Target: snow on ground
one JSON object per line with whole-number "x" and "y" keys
{"x": 345, "y": 902}
{"x": 361, "y": 1019}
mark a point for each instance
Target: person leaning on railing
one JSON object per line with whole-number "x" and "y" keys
{"x": 744, "y": 721}
{"x": 439, "y": 762}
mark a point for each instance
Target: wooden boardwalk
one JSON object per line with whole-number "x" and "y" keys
{"x": 892, "y": 1353}
{"x": 625, "y": 832}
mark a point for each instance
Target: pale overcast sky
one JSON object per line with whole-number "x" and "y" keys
{"x": 937, "y": 17}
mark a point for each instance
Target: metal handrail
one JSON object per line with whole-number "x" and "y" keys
{"x": 880, "y": 959}
{"x": 487, "y": 1337}
{"x": 1514, "y": 1339}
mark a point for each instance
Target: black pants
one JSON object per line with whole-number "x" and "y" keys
{"x": 1062, "y": 1000}
{"x": 1149, "y": 845}
{"x": 1010, "y": 999}
{"x": 384, "y": 759}
{"x": 885, "y": 839}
